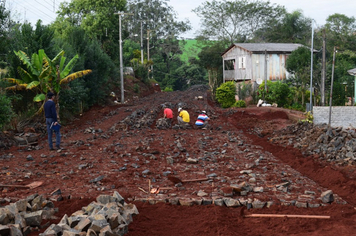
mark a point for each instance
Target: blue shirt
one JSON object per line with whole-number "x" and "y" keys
{"x": 50, "y": 110}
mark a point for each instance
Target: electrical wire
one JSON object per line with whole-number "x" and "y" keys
{"x": 35, "y": 12}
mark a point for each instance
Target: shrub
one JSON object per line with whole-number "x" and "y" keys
{"x": 277, "y": 92}
{"x": 225, "y": 94}
{"x": 6, "y": 112}
{"x": 168, "y": 89}
{"x": 240, "y": 103}
{"x": 136, "y": 88}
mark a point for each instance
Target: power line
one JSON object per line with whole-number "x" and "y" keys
{"x": 43, "y": 5}
{"x": 45, "y": 15}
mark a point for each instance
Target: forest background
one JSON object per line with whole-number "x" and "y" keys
{"x": 88, "y": 32}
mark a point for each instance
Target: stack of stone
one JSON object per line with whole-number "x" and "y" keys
{"x": 21, "y": 217}
{"x": 108, "y": 216}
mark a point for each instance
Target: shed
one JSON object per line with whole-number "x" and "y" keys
{"x": 256, "y": 62}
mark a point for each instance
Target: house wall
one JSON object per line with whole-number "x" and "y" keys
{"x": 255, "y": 66}
{"x": 341, "y": 116}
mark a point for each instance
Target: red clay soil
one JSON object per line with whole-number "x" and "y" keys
{"x": 121, "y": 157}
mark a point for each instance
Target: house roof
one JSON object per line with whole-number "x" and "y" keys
{"x": 352, "y": 72}
{"x": 269, "y": 47}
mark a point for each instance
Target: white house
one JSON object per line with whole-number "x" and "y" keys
{"x": 256, "y": 62}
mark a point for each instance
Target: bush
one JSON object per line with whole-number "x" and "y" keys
{"x": 6, "y": 112}
{"x": 225, "y": 94}
{"x": 136, "y": 88}
{"x": 168, "y": 89}
{"x": 277, "y": 92}
{"x": 240, "y": 103}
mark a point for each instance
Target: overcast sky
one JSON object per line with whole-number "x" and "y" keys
{"x": 319, "y": 10}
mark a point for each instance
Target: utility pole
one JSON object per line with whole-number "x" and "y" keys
{"x": 332, "y": 83}
{"x": 148, "y": 51}
{"x": 323, "y": 71}
{"x": 141, "y": 46}
{"x": 311, "y": 70}
{"x": 266, "y": 64}
{"x": 120, "y": 13}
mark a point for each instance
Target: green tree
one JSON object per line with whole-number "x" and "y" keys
{"x": 4, "y": 28}
{"x": 343, "y": 81}
{"x": 298, "y": 64}
{"x": 341, "y": 32}
{"x": 210, "y": 59}
{"x": 43, "y": 74}
{"x": 6, "y": 112}
{"x": 188, "y": 75}
{"x": 161, "y": 27}
{"x": 98, "y": 19}
{"x": 292, "y": 28}
{"x": 236, "y": 21}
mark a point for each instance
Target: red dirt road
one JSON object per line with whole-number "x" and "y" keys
{"x": 99, "y": 159}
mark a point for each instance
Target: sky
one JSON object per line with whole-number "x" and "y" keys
{"x": 319, "y": 10}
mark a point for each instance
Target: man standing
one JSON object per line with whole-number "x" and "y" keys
{"x": 202, "y": 120}
{"x": 183, "y": 117}
{"x": 51, "y": 119}
{"x": 168, "y": 114}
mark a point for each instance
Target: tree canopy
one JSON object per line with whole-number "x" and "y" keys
{"x": 238, "y": 20}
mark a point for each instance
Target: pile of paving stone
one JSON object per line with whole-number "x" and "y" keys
{"x": 334, "y": 144}
{"x": 23, "y": 216}
{"x": 108, "y": 215}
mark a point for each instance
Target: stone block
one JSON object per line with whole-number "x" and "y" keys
{"x": 4, "y": 230}
{"x": 21, "y": 205}
{"x": 327, "y": 196}
{"x": 83, "y": 224}
{"x": 33, "y": 218}
{"x": 230, "y": 202}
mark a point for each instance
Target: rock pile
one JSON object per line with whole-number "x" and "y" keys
{"x": 108, "y": 216}
{"x": 21, "y": 217}
{"x": 332, "y": 144}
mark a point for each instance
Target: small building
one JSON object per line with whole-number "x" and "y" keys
{"x": 256, "y": 62}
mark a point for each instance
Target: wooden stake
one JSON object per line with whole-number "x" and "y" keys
{"x": 142, "y": 190}
{"x": 149, "y": 186}
{"x": 288, "y": 216}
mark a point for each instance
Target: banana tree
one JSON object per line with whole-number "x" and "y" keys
{"x": 44, "y": 74}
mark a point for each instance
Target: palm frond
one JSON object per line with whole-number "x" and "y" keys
{"x": 32, "y": 85}
{"x": 69, "y": 66}
{"x": 39, "y": 97}
{"x": 13, "y": 80}
{"x": 74, "y": 76}
{"x": 27, "y": 77}
{"x": 56, "y": 58}
{"x": 24, "y": 58}
{"x": 17, "y": 87}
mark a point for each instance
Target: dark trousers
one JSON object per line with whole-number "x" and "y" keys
{"x": 50, "y": 134}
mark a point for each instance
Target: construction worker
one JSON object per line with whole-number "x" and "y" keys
{"x": 183, "y": 117}
{"x": 202, "y": 120}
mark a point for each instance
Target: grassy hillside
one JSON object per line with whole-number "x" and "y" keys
{"x": 191, "y": 48}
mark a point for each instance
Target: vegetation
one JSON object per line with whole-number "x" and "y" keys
{"x": 225, "y": 94}
{"x": 6, "y": 112}
{"x": 277, "y": 92}
{"x": 88, "y": 32}
{"x": 240, "y": 103}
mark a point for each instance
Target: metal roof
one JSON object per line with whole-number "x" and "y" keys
{"x": 269, "y": 47}
{"x": 352, "y": 72}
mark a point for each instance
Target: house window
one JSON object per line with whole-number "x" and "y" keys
{"x": 242, "y": 62}
{"x": 229, "y": 65}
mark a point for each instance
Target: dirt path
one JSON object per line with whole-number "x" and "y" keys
{"x": 120, "y": 149}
